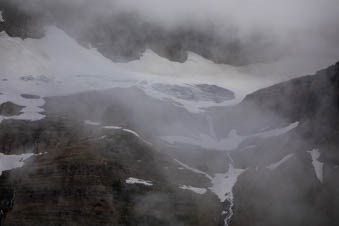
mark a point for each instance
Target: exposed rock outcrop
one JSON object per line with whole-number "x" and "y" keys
{"x": 9, "y": 109}
{"x": 81, "y": 179}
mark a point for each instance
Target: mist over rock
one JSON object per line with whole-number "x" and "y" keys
{"x": 124, "y": 36}
{"x": 170, "y": 113}
{"x": 82, "y": 178}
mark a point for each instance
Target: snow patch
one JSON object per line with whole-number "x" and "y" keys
{"x": 199, "y": 191}
{"x": 8, "y": 162}
{"x": 133, "y": 180}
{"x": 222, "y": 185}
{"x": 317, "y": 165}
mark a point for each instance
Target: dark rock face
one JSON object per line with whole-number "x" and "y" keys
{"x": 291, "y": 195}
{"x": 81, "y": 180}
{"x": 312, "y": 100}
{"x": 19, "y": 23}
{"x": 10, "y": 109}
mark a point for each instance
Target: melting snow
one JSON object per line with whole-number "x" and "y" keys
{"x": 199, "y": 191}
{"x": 318, "y": 166}
{"x": 277, "y": 164}
{"x": 222, "y": 185}
{"x": 133, "y": 180}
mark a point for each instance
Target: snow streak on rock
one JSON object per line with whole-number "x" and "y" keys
{"x": 199, "y": 191}
{"x": 133, "y": 180}
{"x": 279, "y": 163}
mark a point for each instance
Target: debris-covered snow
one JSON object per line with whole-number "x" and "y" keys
{"x": 274, "y": 166}
{"x": 318, "y": 166}
{"x": 231, "y": 142}
{"x": 8, "y": 162}
{"x": 199, "y": 191}
{"x": 133, "y": 180}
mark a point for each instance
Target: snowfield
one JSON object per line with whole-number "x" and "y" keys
{"x": 57, "y": 65}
